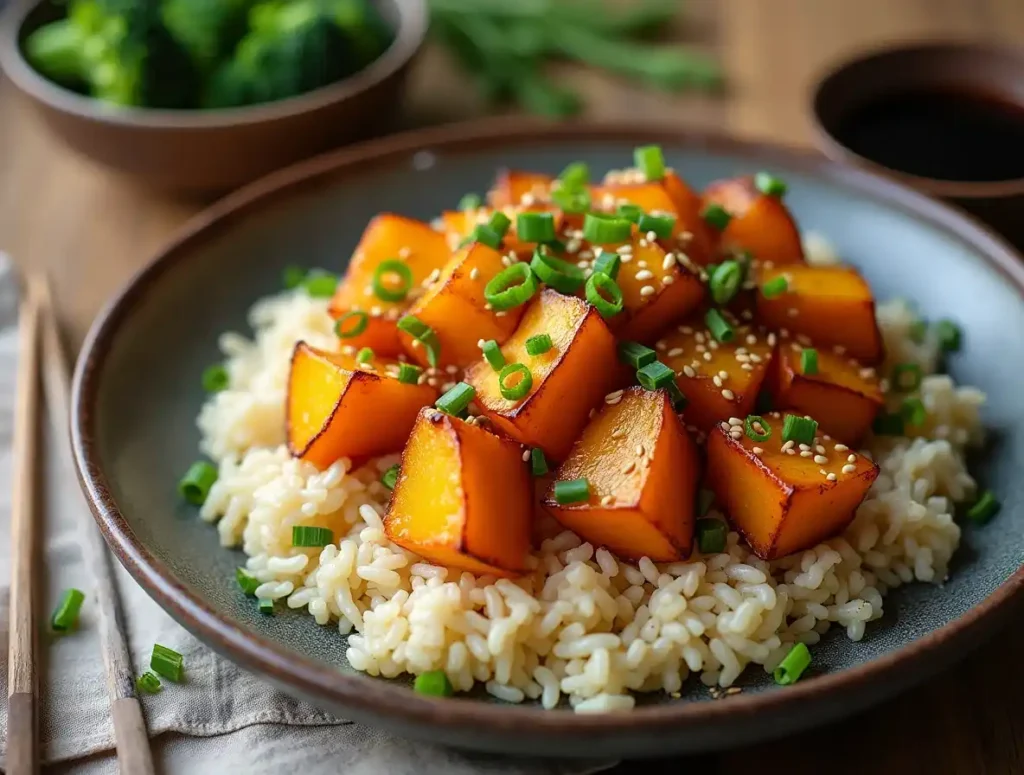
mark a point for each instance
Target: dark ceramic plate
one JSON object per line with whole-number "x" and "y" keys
{"x": 138, "y": 392}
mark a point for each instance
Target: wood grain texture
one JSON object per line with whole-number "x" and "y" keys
{"x": 91, "y": 230}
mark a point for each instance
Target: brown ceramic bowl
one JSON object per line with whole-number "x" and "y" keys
{"x": 211, "y": 151}
{"x": 928, "y": 67}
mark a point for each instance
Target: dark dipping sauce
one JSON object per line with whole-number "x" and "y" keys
{"x": 941, "y": 135}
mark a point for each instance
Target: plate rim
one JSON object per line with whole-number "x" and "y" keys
{"x": 373, "y": 697}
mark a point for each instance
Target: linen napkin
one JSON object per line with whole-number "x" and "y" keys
{"x": 222, "y": 719}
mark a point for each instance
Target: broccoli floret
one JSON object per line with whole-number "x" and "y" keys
{"x": 208, "y": 29}
{"x": 291, "y": 48}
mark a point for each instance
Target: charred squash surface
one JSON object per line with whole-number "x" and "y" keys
{"x": 760, "y": 223}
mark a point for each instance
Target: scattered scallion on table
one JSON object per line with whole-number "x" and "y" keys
{"x": 148, "y": 683}
{"x": 168, "y": 663}
{"x": 65, "y": 616}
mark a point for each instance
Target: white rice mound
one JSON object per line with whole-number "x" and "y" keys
{"x": 583, "y": 624}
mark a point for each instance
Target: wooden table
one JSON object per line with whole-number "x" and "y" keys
{"x": 91, "y": 229}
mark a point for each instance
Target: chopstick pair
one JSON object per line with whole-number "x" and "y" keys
{"x": 38, "y": 334}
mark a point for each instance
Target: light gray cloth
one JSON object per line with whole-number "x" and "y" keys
{"x": 222, "y": 720}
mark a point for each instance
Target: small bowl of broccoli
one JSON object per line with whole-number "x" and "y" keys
{"x": 204, "y": 95}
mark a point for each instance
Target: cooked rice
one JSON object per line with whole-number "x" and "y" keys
{"x": 582, "y": 624}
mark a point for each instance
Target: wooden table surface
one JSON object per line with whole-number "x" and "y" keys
{"x": 91, "y": 229}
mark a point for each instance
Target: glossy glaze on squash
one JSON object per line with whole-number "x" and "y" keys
{"x": 760, "y": 224}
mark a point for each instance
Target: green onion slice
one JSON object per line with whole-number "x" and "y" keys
{"x": 769, "y": 185}
{"x": 572, "y": 491}
{"x": 148, "y": 683}
{"x": 809, "y": 361}
{"x": 571, "y": 200}
{"x": 365, "y": 355}
{"x": 266, "y": 607}
{"x": 292, "y": 277}
{"x": 913, "y": 412}
{"x": 719, "y": 326}
{"x": 470, "y": 202}
{"x": 705, "y": 499}
{"x": 793, "y": 666}
{"x": 311, "y": 536}
{"x": 678, "y": 398}
{"x": 799, "y": 429}
{"x": 409, "y": 374}
{"x": 433, "y": 683}
{"x": 499, "y": 223}
{"x": 655, "y": 375}
{"x": 651, "y": 161}
{"x": 196, "y": 483}
{"x": 606, "y": 229}
{"x": 215, "y": 378}
{"x": 424, "y": 334}
{"x": 661, "y": 225}
{"x": 538, "y": 462}
{"x": 725, "y": 281}
{"x": 65, "y": 616}
{"x": 493, "y": 354}
{"x": 514, "y": 381}
{"x": 485, "y": 235}
{"x": 918, "y": 331}
{"x": 986, "y": 507}
{"x": 604, "y": 294}
{"x": 456, "y": 400}
{"x": 535, "y": 227}
{"x": 575, "y": 176}
{"x": 167, "y": 662}
{"x": 636, "y": 355}
{"x": 385, "y": 287}
{"x": 751, "y": 424}
{"x": 949, "y": 335}
{"x": 711, "y": 535}
{"x": 775, "y": 287}
{"x": 511, "y": 287}
{"x": 563, "y": 276}
{"x": 246, "y": 581}
{"x": 715, "y": 215}
{"x": 390, "y": 477}
{"x": 608, "y": 263}
{"x": 630, "y": 212}
{"x": 539, "y": 344}
{"x": 907, "y": 377}
{"x": 351, "y": 324}
{"x": 320, "y": 284}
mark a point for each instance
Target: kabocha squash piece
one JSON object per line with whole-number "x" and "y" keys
{"x": 459, "y": 223}
{"x": 387, "y": 237}
{"x": 785, "y": 501}
{"x": 719, "y": 379}
{"x": 514, "y": 187}
{"x": 761, "y": 223}
{"x": 656, "y": 289}
{"x": 338, "y": 407}
{"x": 837, "y": 391}
{"x": 696, "y": 238}
{"x": 652, "y": 198}
{"x": 463, "y": 498}
{"x": 829, "y": 305}
{"x": 568, "y": 380}
{"x": 455, "y": 308}
{"x": 639, "y": 505}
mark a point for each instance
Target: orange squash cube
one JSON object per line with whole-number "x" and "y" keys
{"x": 515, "y": 187}
{"x": 459, "y": 224}
{"x": 387, "y": 237}
{"x": 842, "y": 395}
{"x": 567, "y": 381}
{"x": 719, "y": 379}
{"x": 463, "y": 498}
{"x": 761, "y": 224}
{"x": 337, "y": 407}
{"x": 640, "y": 505}
{"x": 656, "y": 289}
{"x": 455, "y": 307}
{"x": 650, "y": 197}
{"x": 696, "y": 239}
{"x": 829, "y": 305}
{"x": 781, "y": 498}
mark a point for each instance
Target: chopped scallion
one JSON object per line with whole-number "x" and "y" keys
{"x": 635, "y": 355}
{"x": 246, "y": 581}
{"x": 538, "y": 462}
{"x": 456, "y": 400}
{"x": 678, "y": 398}
{"x": 311, "y": 536}
{"x": 470, "y": 201}
{"x": 705, "y": 499}
{"x": 798, "y": 429}
{"x": 906, "y": 377}
{"x": 984, "y": 508}
{"x": 365, "y": 355}
{"x": 711, "y": 534}
{"x": 913, "y": 412}
{"x": 320, "y": 284}
{"x": 651, "y": 161}
{"x": 569, "y": 200}
{"x": 499, "y": 223}
{"x": 196, "y": 483}
{"x": 424, "y": 334}
{"x": 606, "y": 229}
{"x": 266, "y": 607}
{"x": 949, "y": 336}
{"x": 65, "y": 616}
{"x": 725, "y": 281}
{"x": 148, "y": 683}
{"x": 535, "y": 227}
{"x": 539, "y": 344}
{"x": 351, "y": 324}
{"x": 769, "y": 185}
{"x": 751, "y": 426}
{"x": 514, "y": 381}
{"x": 167, "y": 662}
{"x": 215, "y": 378}
{"x": 793, "y": 665}
{"x": 292, "y": 277}
{"x": 918, "y": 331}
{"x": 608, "y": 263}
{"x": 492, "y": 352}
{"x": 719, "y": 326}
{"x": 485, "y": 235}
{"x": 409, "y": 374}
{"x": 775, "y": 287}
{"x": 655, "y": 375}
{"x": 572, "y": 491}
{"x": 630, "y": 212}
{"x": 809, "y": 361}
{"x": 715, "y": 215}
{"x": 433, "y": 683}
{"x": 392, "y": 280}
{"x": 390, "y": 477}
{"x": 604, "y": 294}
{"x": 575, "y": 176}
{"x": 661, "y": 225}
{"x": 511, "y": 287}
{"x": 563, "y": 276}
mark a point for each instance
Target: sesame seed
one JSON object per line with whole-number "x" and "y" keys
{"x": 723, "y": 375}
{"x": 607, "y": 500}
{"x": 639, "y": 450}
{"x": 661, "y": 344}
{"x": 867, "y": 373}
{"x": 526, "y": 455}
{"x": 433, "y": 276}
{"x": 747, "y": 367}
{"x": 628, "y": 468}
{"x": 804, "y": 448}
{"x": 849, "y": 469}
{"x": 685, "y": 330}
{"x": 850, "y": 458}
{"x": 724, "y": 425}
{"x": 751, "y": 339}
{"x": 647, "y": 290}
{"x": 819, "y": 449}
{"x": 792, "y": 312}
{"x": 625, "y": 257}
{"x": 728, "y": 395}
{"x": 736, "y": 435}
{"x": 644, "y": 274}
{"x": 583, "y": 264}
{"x": 675, "y": 352}
{"x": 488, "y": 306}
{"x": 839, "y": 350}
{"x": 707, "y": 356}
{"x": 668, "y": 262}
{"x": 625, "y": 249}
{"x": 717, "y": 380}
{"x": 506, "y": 261}
{"x": 790, "y": 451}
{"x": 667, "y": 280}
{"x": 586, "y": 254}
{"x": 805, "y": 453}
{"x": 480, "y": 343}
{"x": 801, "y": 338}
{"x": 736, "y": 421}
{"x": 689, "y": 372}
{"x": 618, "y": 433}
{"x": 757, "y": 451}
{"x": 592, "y": 413}
{"x": 771, "y": 340}
{"x": 831, "y": 477}
{"x": 474, "y": 273}
{"x": 651, "y": 236}
{"x": 841, "y": 448}
{"x": 642, "y": 242}
{"x": 820, "y": 460}
{"x": 612, "y": 399}
{"x": 787, "y": 446}
{"x": 823, "y": 472}
{"x": 404, "y": 253}
{"x": 375, "y": 311}
{"x": 741, "y": 357}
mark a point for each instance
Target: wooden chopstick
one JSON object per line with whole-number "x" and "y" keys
{"x": 133, "y": 752}
{"x": 22, "y": 680}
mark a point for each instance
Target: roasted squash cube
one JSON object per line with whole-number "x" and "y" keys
{"x": 455, "y": 307}
{"x": 387, "y": 237}
{"x": 761, "y": 224}
{"x": 568, "y": 380}
{"x": 780, "y": 497}
{"x": 337, "y": 407}
{"x": 656, "y": 289}
{"x": 719, "y": 379}
{"x": 696, "y": 238}
{"x": 828, "y": 305}
{"x": 515, "y": 187}
{"x": 841, "y": 394}
{"x": 652, "y": 198}
{"x": 463, "y": 498}
{"x": 458, "y": 224}
{"x": 642, "y": 470}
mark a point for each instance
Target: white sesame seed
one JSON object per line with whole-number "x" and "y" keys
{"x": 723, "y": 375}
{"x": 839, "y": 350}
{"x": 757, "y": 451}
{"x": 850, "y": 458}
{"x": 747, "y": 367}
{"x": 642, "y": 242}
{"x": 867, "y": 373}
{"x": 819, "y": 449}
{"x": 804, "y": 448}
{"x": 647, "y": 290}
{"x": 644, "y": 274}
{"x": 735, "y": 435}
{"x": 375, "y": 311}
{"x": 805, "y": 453}
{"x": 506, "y": 261}
{"x": 787, "y": 446}
{"x": 480, "y": 343}
{"x": 728, "y": 395}
{"x": 501, "y": 313}
{"x": 474, "y": 273}
{"x": 831, "y": 477}
{"x": 625, "y": 249}
{"x": 639, "y": 449}
{"x": 628, "y": 468}
{"x": 707, "y": 356}
{"x": 820, "y": 460}
{"x": 607, "y": 500}
{"x": 526, "y": 455}
{"x": 736, "y": 421}
{"x": 790, "y": 451}
{"x": 488, "y": 306}
{"x": 404, "y": 253}
{"x": 661, "y": 344}
{"x": 823, "y": 472}
{"x": 717, "y": 380}
{"x": 668, "y": 262}
{"x": 618, "y": 433}
{"x": 625, "y": 257}
{"x": 849, "y": 469}
{"x": 675, "y": 352}
{"x": 689, "y": 372}
{"x": 651, "y": 236}
{"x": 771, "y": 340}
